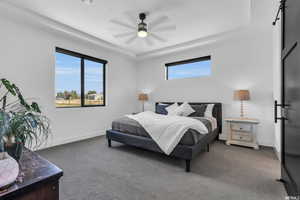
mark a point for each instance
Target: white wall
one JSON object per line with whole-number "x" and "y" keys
{"x": 241, "y": 61}
{"x": 27, "y": 56}
{"x": 277, "y": 76}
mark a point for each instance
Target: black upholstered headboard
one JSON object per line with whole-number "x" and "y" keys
{"x": 217, "y": 111}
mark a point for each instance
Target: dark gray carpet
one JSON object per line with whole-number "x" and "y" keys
{"x": 95, "y": 172}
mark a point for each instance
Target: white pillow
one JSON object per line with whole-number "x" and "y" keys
{"x": 163, "y": 104}
{"x": 209, "y": 110}
{"x": 185, "y": 109}
{"x": 172, "y": 109}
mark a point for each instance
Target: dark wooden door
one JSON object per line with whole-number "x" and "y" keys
{"x": 291, "y": 96}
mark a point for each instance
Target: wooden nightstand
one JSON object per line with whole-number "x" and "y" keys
{"x": 242, "y": 131}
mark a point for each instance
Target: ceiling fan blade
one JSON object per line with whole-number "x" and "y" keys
{"x": 131, "y": 17}
{"x": 158, "y": 37}
{"x": 130, "y": 40}
{"x": 122, "y": 24}
{"x": 148, "y": 41}
{"x": 158, "y": 21}
{"x": 121, "y": 35}
{"x": 165, "y": 28}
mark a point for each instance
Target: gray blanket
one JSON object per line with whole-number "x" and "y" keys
{"x": 132, "y": 127}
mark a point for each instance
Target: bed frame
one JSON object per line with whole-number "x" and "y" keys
{"x": 181, "y": 151}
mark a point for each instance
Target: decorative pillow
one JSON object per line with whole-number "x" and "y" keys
{"x": 199, "y": 110}
{"x": 161, "y": 108}
{"x": 172, "y": 109}
{"x": 185, "y": 109}
{"x": 209, "y": 110}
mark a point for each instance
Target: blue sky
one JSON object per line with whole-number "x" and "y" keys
{"x": 196, "y": 69}
{"x": 67, "y": 74}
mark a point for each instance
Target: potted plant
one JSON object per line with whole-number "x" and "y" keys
{"x": 21, "y": 124}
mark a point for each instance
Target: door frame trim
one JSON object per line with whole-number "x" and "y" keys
{"x": 285, "y": 52}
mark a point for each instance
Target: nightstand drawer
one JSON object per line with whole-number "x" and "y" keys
{"x": 242, "y": 137}
{"x": 241, "y": 127}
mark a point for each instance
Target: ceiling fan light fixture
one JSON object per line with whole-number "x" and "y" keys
{"x": 142, "y": 34}
{"x": 142, "y": 30}
{"x": 142, "y": 27}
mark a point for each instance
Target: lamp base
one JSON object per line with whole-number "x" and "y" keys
{"x": 143, "y": 108}
{"x": 242, "y": 110}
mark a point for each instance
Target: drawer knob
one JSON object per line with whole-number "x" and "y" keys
{"x": 54, "y": 187}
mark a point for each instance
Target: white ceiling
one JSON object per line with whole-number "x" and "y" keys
{"x": 194, "y": 19}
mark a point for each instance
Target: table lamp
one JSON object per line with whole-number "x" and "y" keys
{"x": 143, "y": 97}
{"x": 242, "y": 95}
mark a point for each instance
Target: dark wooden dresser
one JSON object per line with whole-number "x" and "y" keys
{"x": 39, "y": 180}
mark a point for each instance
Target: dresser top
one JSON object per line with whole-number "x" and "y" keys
{"x": 243, "y": 120}
{"x": 33, "y": 169}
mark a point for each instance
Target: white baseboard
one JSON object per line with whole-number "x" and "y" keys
{"x": 96, "y": 134}
{"x": 222, "y": 137}
{"x": 54, "y": 143}
{"x": 277, "y": 153}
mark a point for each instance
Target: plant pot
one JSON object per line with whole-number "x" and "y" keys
{"x": 14, "y": 150}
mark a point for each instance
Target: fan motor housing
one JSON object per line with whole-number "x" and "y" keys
{"x": 142, "y": 26}
{"x": 142, "y": 16}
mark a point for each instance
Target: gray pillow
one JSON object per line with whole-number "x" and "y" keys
{"x": 161, "y": 109}
{"x": 200, "y": 110}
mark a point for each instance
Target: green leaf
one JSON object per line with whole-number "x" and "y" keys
{"x": 9, "y": 86}
{"x": 35, "y": 107}
{"x": 23, "y": 102}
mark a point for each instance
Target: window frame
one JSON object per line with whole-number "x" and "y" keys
{"x": 82, "y": 70}
{"x": 182, "y": 62}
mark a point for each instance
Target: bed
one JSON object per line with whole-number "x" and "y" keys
{"x": 130, "y": 132}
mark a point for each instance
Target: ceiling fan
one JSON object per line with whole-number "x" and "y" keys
{"x": 148, "y": 31}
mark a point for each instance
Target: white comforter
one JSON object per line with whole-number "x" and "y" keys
{"x": 167, "y": 130}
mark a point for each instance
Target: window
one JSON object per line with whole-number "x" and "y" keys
{"x": 196, "y": 67}
{"x": 79, "y": 80}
